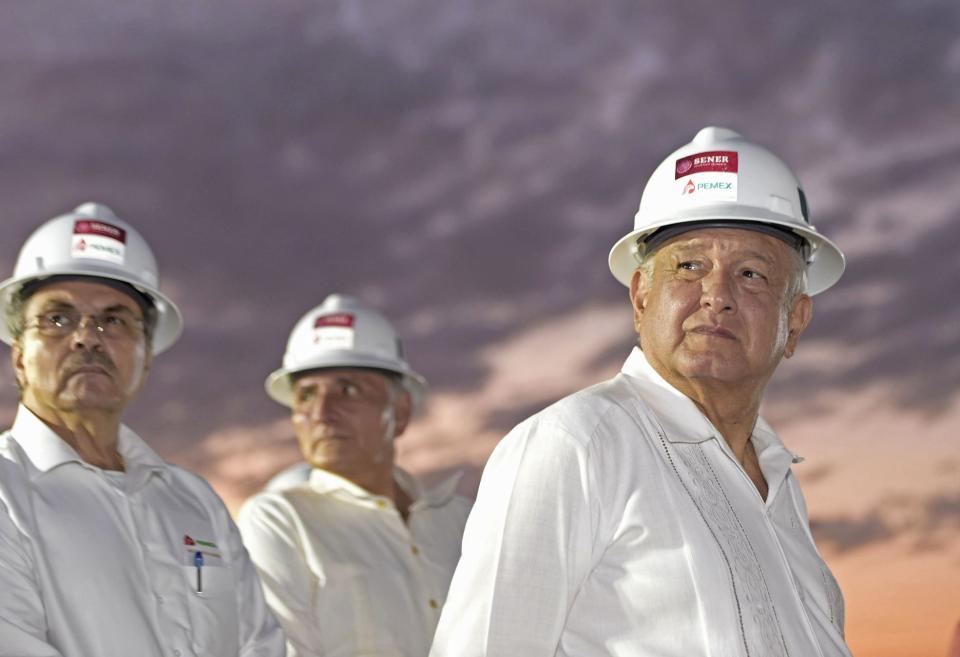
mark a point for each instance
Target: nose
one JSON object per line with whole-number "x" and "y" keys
{"x": 716, "y": 292}
{"x": 322, "y": 406}
{"x": 88, "y": 334}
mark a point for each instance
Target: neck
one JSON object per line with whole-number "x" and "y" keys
{"x": 92, "y": 433}
{"x": 734, "y": 415}
{"x": 378, "y": 483}
{"x": 383, "y": 484}
{"x": 731, "y": 408}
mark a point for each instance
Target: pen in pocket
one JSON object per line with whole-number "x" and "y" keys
{"x": 198, "y": 562}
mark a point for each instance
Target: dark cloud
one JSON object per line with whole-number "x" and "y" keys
{"x": 438, "y": 157}
{"x": 930, "y": 523}
{"x": 842, "y": 534}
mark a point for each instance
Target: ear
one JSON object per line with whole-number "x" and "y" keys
{"x": 16, "y": 358}
{"x": 147, "y": 361}
{"x": 801, "y": 312}
{"x": 402, "y": 412}
{"x": 639, "y": 287}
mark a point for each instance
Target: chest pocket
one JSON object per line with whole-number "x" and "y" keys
{"x": 213, "y": 609}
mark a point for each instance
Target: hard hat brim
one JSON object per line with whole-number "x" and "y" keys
{"x": 824, "y": 270}
{"x": 279, "y": 384}
{"x": 169, "y": 319}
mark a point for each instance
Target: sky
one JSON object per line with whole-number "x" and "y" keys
{"x": 465, "y": 166}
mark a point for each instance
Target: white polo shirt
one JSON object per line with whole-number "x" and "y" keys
{"x": 344, "y": 574}
{"x": 103, "y": 564}
{"x": 618, "y": 523}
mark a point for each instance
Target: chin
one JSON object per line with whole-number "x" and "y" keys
{"x": 709, "y": 366}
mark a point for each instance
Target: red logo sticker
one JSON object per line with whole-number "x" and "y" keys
{"x": 91, "y": 227}
{"x": 187, "y": 540}
{"x": 342, "y": 320}
{"x": 723, "y": 161}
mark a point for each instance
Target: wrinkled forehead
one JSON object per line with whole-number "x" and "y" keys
{"x": 732, "y": 242}
{"x": 88, "y": 295}
{"x": 31, "y": 288}
{"x": 330, "y": 375}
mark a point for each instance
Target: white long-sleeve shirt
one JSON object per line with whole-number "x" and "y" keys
{"x": 100, "y": 563}
{"x": 344, "y": 574}
{"x": 617, "y": 522}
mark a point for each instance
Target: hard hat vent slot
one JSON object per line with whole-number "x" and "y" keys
{"x": 804, "y": 211}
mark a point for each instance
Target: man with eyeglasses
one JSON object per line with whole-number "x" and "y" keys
{"x": 105, "y": 549}
{"x": 357, "y": 559}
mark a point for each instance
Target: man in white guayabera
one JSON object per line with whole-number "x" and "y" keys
{"x": 105, "y": 549}
{"x": 357, "y": 559}
{"x": 656, "y": 513}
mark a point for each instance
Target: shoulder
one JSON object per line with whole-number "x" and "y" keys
{"x": 276, "y": 508}
{"x": 592, "y": 416}
{"x": 14, "y": 480}
{"x": 457, "y": 508}
{"x": 11, "y": 454}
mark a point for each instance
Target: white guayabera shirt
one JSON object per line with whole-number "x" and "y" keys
{"x": 344, "y": 574}
{"x": 617, "y": 522}
{"x": 99, "y": 563}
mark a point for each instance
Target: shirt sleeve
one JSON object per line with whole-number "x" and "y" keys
{"x": 23, "y": 627}
{"x": 260, "y": 634}
{"x": 527, "y": 548}
{"x": 275, "y": 549}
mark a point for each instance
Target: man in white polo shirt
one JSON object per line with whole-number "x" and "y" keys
{"x": 105, "y": 549}
{"x": 657, "y": 513}
{"x": 357, "y": 560}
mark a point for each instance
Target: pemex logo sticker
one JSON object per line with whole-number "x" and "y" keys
{"x": 708, "y": 177}
{"x": 98, "y": 240}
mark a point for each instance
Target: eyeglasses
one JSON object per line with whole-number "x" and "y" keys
{"x": 60, "y": 323}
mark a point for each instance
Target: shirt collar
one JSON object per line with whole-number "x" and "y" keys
{"x": 324, "y": 481}
{"x": 46, "y": 450}
{"x": 426, "y": 497}
{"x": 680, "y": 417}
{"x": 683, "y": 422}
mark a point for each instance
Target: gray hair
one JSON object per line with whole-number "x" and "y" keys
{"x": 14, "y": 315}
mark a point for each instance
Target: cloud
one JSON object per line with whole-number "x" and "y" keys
{"x": 922, "y": 523}
{"x": 844, "y": 533}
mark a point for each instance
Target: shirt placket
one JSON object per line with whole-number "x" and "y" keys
{"x": 428, "y": 601}
{"x": 768, "y": 506}
{"x": 427, "y": 584}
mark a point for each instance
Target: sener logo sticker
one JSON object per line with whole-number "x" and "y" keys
{"x": 334, "y": 331}
{"x": 98, "y": 240}
{"x": 721, "y": 161}
{"x": 707, "y": 177}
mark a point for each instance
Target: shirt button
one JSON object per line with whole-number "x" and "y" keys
{"x": 415, "y": 550}
{"x": 160, "y": 599}
{"x": 381, "y": 504}
{"x": 433, "y": 604}
{"x": 176, "y": 653}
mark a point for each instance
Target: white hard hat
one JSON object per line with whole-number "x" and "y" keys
{"x": 342, "y": 332}
{"x": 722, "y": 179}
{"x": 92, "y": 241}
